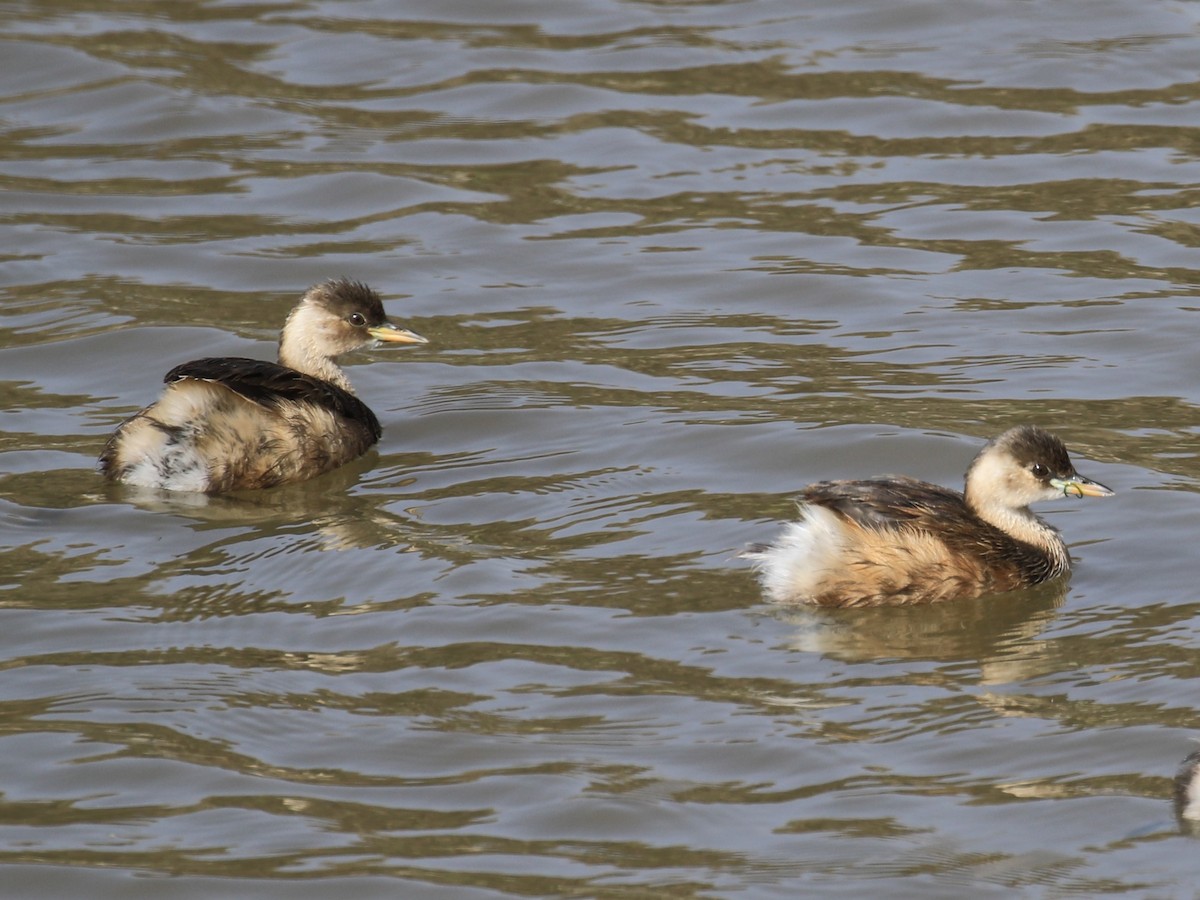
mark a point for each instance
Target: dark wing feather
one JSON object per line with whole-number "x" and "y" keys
{"x": 893, "y": 501}
{"x": 268, "y": 384}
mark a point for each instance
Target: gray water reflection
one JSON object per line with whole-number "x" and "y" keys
{"x": 676, "y": 260}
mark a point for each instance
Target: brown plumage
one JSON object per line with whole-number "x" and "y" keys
{"x": 227, "y": 424}
{"x": 896, "y": 541}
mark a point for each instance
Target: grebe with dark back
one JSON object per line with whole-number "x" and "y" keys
{"x": 895, "y": 541}
{"x": 232, "y": 423}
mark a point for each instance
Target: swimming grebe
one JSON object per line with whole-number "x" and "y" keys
{"x": 897, "y": 541}
{"x": 1187, "y": 788}
{"x": 231, "y": 423}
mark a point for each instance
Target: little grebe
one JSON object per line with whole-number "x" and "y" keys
{"x": 227, "y": 424}
{"x": 1187, "y": 787}
{"x": 894, "y": 541}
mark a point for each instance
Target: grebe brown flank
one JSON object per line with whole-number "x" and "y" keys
{"x": 231, "y": 423}
{"x": 895, "y": 540}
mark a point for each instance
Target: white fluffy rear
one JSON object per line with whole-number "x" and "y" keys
{"x": 174, "y": 467}
{"x": 792, "y": 568}
{"x": 147, "y": 456}
{"x": 1189, "y": 796}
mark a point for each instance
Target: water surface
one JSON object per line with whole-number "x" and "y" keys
{"x": 676, "y": 259}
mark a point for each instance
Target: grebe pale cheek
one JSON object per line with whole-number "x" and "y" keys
{"x": 897, "y": 541}
{"x": 231, "y": 423}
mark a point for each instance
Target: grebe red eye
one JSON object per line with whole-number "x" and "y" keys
{"x": 356, "y": 319}
{"x": 1039, "y": 471}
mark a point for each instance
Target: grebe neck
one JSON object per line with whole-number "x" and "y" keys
{"x": 1022, "y": 525}
{"x": 300, "y": 349}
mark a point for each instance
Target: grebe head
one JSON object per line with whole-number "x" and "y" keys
{"x": 1022, "y": 466}
{"x": 333, "y": 318}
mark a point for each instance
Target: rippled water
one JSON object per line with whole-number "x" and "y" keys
{"x": 676, "y": 259}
